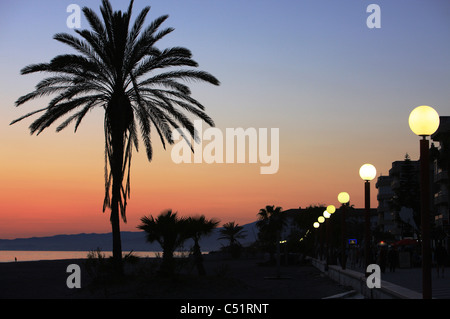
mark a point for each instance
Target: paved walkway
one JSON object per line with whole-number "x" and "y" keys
{"x": 411, "y": 278}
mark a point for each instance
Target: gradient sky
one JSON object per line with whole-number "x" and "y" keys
{"x": 339, "y": 92}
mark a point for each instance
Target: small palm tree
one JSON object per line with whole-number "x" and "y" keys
{"x": 232, "y": 232}
{"x": 197, "y": 227}
{"x": 120, "y": 70}
{"x": 169, "y": 231}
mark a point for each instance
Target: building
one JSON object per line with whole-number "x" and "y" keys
{"x": 398, "y": 199}
{"x": 441, "y": 165}
{"x": 386, "y": 221}
{"x": 402, "y": 188}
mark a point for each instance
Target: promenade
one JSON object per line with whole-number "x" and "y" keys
{"x": 226, "y": 279}
{"x": 411, "y": 279}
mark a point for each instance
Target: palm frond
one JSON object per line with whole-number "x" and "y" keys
{"x": 27, "y": 115}
{"x": 78, "y": 116}
{"x": 185, "y": 75}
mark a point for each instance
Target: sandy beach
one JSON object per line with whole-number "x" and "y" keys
{"x": 225, "y": 279}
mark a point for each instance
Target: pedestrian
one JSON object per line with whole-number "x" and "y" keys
{"x": 440, "y": 256}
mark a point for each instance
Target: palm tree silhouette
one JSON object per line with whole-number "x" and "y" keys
{"x": 169, "y": 231}
{"x": 122, "y": 71}
{"x": 197, "y": 227}
{"x": 271, "y": 221}
{"x": 232, "y": 232}
{"x": 270, "y": 224}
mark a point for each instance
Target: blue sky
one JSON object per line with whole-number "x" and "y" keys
{"x": 287, "y": 47}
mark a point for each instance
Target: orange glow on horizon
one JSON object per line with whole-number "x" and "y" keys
{"x": 55, "y": 185}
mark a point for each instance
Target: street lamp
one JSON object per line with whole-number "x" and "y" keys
{"x": 320, "y": 220}
{"x": 328, "y": 231}
{"x": 343, "y": 198}
{"x": 319, "y": 251}
{"x": 367, "y": 173}
{"x": 424, "y": 121}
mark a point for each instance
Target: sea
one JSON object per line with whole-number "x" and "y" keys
{"x": 35, "y": 255}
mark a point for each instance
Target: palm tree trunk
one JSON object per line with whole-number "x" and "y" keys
{"x": 116, "y": 169}
{"x": 118, "y": 123}
{"x": 168, "y": 262}
{"x": 198, "y": 258}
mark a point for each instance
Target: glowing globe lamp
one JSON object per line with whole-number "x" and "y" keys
{"x": 343, "y": 197}
{"x": 331, "y": 209}
{"x": 423, "y": 120}
{"x": 367, "y": 172}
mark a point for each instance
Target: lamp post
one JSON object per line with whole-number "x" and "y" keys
{"x": 343, "y": 198}
{"x": 321, "y": 220}
{"x": 424, "y": 121}
{"x": 367, "y": 173}
{"x": 322, "y": 238}
{"x": 317, "y": 249}
{"x": 327, "y": 215}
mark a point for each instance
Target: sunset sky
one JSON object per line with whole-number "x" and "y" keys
{"x": 339, "y": 92}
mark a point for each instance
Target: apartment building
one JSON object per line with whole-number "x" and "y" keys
{"x": 404, "y": 175}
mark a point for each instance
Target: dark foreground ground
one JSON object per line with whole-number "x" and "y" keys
{"x": 226, "y": 279}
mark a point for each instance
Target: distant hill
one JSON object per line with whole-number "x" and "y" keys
{"x": 130, "y": 241}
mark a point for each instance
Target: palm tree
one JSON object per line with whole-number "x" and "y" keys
{"x": 232, "y": 232}
{"x": 119, "y": 69}
{"x": 270, "y": 223}
{"x": 169, "y": 231}
{"x": 197, "y": 227}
